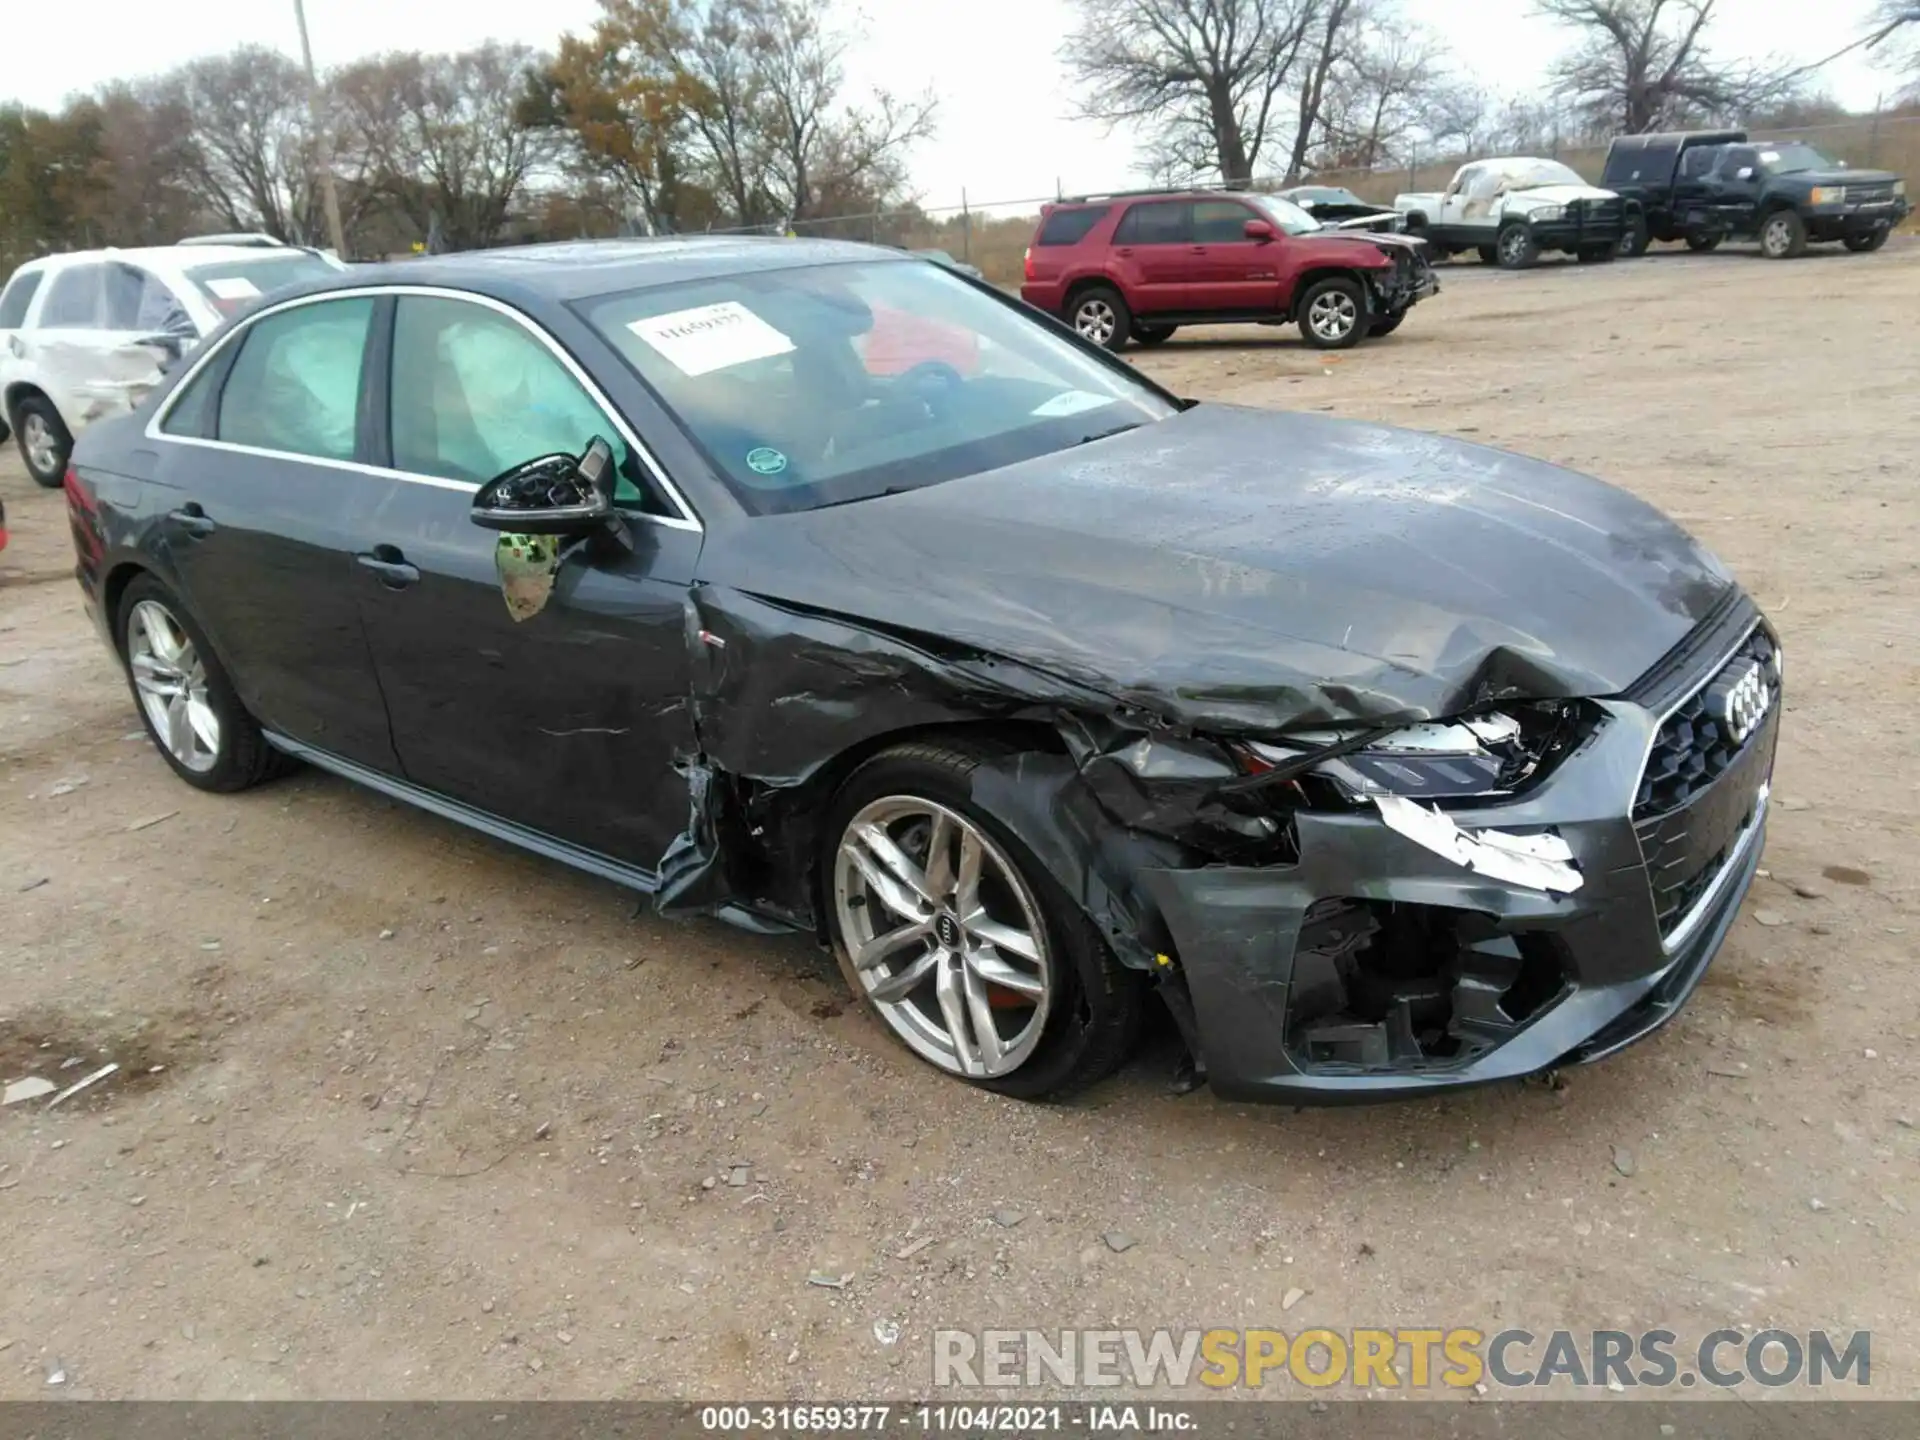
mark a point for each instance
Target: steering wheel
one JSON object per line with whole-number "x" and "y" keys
{"x": 932, "y": 382}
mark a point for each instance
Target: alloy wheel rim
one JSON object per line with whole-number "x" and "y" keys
{"x": 1096, "y": 321}
{"x": 1777, "y": 238}
{"x": 943, "y": 935}
{"x": 171, "y": 681}
{"x": 1514, "y": 244}
{"x": 1333, "y": 314}
{"x": 42, "y": 449}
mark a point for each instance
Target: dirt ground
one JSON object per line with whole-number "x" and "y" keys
{"x": 405, "y": 1113}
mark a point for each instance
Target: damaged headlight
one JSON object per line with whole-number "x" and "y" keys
{"x": 1548, "y": 213}
{"x": 1488, "y": 754}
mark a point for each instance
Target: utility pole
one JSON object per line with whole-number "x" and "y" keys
{"x": 323, "y": 145}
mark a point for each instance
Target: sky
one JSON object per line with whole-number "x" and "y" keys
{"x": 1005, "y": 131}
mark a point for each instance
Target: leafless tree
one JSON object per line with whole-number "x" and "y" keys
{"x": 1638, "y": 64}
{"x": 1208, "y": 81}
{"x": 1892, "y": 31}
{"x": 1391, "y": 90}
{"x": 248, "y": 164}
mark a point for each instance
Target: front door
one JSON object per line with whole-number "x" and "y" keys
{"x": 259, "y": 464}
{"x": 1733, "y": 190}
{"x": 1235, "y": 275}
{"x": 569, "y": 721}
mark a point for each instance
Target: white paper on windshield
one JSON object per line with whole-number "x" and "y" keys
{"x": 711, "y": 337}
{"x": 1071, "y": 402}
{"x": 236, "y": 287}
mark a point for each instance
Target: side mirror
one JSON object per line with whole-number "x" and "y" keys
{"x": 1258, "y": 230}
{"x": 553, "y": 495}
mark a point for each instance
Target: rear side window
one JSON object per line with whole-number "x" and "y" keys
{"x": 17, "y": 297}
{"x": 1159, "y": 222}
{"x": 296, "y": 384}
{"x": 188, "y": 415}
{"x": 77, "y": 300}
{"x": 1070, "y": 227}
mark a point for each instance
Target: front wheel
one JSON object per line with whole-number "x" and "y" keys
{"x": 1634, "y": 239}
{"x": 956, "y": 938}
{"x": 1518, "y": 248}
{"x": 1100, "y": 315}
{"x": 44, "y": 442}
{"x": 1783, "y": 236}
{"x": 187, "y": 704}
{"x": 1872, "y": 240}
{"x": 1333, "y": 313}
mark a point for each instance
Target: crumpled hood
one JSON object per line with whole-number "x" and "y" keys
{"x": 1560, "y": 194}
{"x": 1250, "y": 571}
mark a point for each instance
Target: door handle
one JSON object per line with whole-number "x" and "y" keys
{"x": 1123, "y": 250}
{"x": 192, "y": 519}
{"x": 390, "y": 565}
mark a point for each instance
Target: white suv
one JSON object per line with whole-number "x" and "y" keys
{"x": 84, "y": 336}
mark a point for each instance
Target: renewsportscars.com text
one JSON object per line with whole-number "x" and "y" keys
{"x": 1401, "y": 1358}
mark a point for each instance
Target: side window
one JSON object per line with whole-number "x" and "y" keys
{"x": 1215, "y": 222}
{"x": 188, "y": 414}
{"x": 1070, "y": 227}
{"x": 17, "y": 297}
{"x": 139, "y": 300}
{"x": 1698, "y": 161}
{"x": 474, "y": 393}
{"x": 296, "y": 384}
{"x": 1737, "y": 157}
{"x": 1158, "y": 222}
{"x": 77, "y": 299}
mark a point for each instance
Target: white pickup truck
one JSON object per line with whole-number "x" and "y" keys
{"x": 1512, "y": 209}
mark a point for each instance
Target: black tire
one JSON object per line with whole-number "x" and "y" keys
{"x": 1095, "y": 1004}
{"x": 1387, "y": 324}
{"x": 243, "y": 758}
{"x": 1634, "y": 239}
{"x": 1783, "y": 235}
{"x": 1703, "y": 244}
{"x": 1331, "y": 292}
{"x": 1872, "y": 240}
{"x": 1085, "y": 316}
{"x": 1516, "y": 249}
{"x": 1489, "y": 254}
{"x": 32, "y": 410}
{"x": 1153, "y": 334}
{"x": 1596, "y": 255}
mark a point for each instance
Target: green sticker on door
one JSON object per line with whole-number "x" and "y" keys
{"x": 765, "y": 460}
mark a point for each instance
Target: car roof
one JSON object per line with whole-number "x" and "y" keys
{"x": 571, "y": 270}
{"x": 164, "y": 257}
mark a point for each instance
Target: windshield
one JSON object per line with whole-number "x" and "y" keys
{"x": 232, "y": 285}
{"x": 824, "y": 384}
{"x": 1531, "y": 174}
{"x": 1787, "y": 159}
{"x": 1287, "y": 217}
{"x": 1323, "y": 195}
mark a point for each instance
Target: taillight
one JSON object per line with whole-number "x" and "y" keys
{"x": 1026, "y": 263}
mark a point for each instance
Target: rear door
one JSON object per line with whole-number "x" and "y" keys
{"x": 568, "y": 720}
{"x": 1154, "y": 253}
{"x": 15, "y": 302}
{"x": 260, "y": 455}
{"x": 1236, "y": 275}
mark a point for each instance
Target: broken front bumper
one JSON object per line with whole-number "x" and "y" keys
{"x": 1376, "y": 967}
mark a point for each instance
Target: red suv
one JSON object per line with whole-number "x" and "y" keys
{"x": 1137, "y": 266}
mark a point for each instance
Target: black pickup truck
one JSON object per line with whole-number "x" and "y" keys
{"x": 1704, "y": 186}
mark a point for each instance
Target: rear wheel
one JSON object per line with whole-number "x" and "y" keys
{"x": 1153, "y": 334}
{"x": 1783, "y": 236}
{"x": 45, "y": 444}
{"x": 186, "y": 701}
{"x": 1634, "y": 239}
{"x": 1333, "y": 313}
{"x": 1100, "y": 315}
{"x": 955, "y": 937}
{"x": 1872, "y": 240}
{"x": 1701, "y": 244}
{"x": 1517, "y": 248}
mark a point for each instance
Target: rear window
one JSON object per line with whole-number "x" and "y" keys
{"x": 1070, "y": 227}
{"x": 17, "y": 297}
{"x": 232, "y": 285}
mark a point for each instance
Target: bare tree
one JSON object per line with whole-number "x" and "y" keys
{"x": 1893, "y": 32}
{"x": 248, "y": 161}
{"x": 1389, "y": 90}
{"x": 1207, "y": 80}
{"x": 1642, "y": 63}
{"x": 438, "y": 138}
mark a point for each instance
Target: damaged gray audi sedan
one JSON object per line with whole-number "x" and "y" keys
{"x": 820, "y": 588}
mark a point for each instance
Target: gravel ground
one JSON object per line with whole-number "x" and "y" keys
{"x": 404, "y": 1113}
